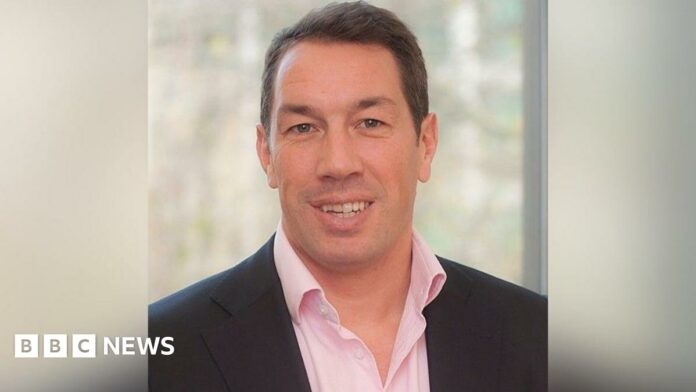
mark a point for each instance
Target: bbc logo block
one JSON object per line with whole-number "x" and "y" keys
{"x": 55, "y": 346}
{"x": 84, "y": 346}
{"x": 26, "y": 346}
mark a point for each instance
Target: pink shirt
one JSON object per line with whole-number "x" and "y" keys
{"x": 334, "y": 357}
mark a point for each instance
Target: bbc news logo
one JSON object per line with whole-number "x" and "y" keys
{"x": 85, "y": 346}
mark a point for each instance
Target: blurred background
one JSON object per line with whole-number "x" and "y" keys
{"x": 622, "y": 186}
{"x": 210, "y": 206}
{"x": 73, "y": 187}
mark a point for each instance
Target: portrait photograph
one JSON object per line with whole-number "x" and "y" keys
{"x": 340, "y": 196}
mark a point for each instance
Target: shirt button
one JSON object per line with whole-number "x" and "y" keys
{"x": 323, "y": 309}
{"x": 359, "y": 353}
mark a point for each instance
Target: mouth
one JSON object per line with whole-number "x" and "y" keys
{"x": 345, "y": 210}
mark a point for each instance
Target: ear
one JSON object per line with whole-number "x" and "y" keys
{"x": 428, "y": 144}
{"x": 263, "y": 151}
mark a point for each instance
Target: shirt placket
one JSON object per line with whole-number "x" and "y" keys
{"x": 352, "y": 347}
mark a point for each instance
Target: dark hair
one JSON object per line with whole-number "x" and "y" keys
{"x": 355, "y": 22}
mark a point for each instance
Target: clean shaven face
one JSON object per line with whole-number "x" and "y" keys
{"x": 343, "y": 154}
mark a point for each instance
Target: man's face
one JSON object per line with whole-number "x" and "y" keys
{"x": 343, "y": 154}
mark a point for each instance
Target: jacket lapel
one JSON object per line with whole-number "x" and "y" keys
{"x": 463, "y": 339}
{"x": 255, "y": 349}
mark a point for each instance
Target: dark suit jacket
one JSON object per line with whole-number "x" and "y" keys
{"x": 233, "y": 332}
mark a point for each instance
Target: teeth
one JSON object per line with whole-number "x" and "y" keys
{"x": 347, "y": 209}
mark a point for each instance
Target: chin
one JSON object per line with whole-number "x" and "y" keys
{"x": 340, "y": 259}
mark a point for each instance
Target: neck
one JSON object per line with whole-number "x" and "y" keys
{"x": 373, "y": 294}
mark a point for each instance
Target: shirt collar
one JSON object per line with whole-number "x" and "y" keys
{"x": 427, "y": 275}
{"x": 294, "y": 275}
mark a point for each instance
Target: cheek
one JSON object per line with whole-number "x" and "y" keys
{"x": 293, "y": 168}
{"x": 394, "y": 165}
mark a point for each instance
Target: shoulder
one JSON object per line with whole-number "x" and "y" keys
{"x": 201, "y": 311}
{"x": 187, "y": 307}
{"x": 214, "y": 298}
{"x": 522, "y": 312}
{"x": 508, "y": 319}
{"x": 494, "y": 289}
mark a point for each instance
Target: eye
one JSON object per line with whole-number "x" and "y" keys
{"x": 370, "y": 123}
{"x": 301, "y": 128}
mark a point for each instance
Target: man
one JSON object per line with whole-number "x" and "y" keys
{"x": 346, "y": 296}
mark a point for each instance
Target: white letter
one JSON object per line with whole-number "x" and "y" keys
{"x": 167, "y": 345}
{"x": 108, "y": 344}
{"x": 128, "y": 345}
{"x": 148, "y": 346}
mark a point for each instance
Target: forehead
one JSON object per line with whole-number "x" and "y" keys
{"x": 337, "y": 72}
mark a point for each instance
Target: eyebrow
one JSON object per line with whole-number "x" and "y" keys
{"x": 306, "y": 110}
{"x": 374, "y": 101}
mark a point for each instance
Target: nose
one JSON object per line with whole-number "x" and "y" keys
{"x": 339, "y": 157}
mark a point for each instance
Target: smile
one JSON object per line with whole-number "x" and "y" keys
{"x": 345, "y": 210}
